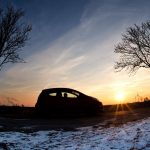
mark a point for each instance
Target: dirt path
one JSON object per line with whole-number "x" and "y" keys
{"x": 106, "y": 119}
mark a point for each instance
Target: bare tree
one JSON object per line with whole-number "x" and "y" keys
{"x": 13, "y": 35}
{"x": 134, "y": 49}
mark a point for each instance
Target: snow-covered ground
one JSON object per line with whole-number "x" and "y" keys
{"x": 132, "y": 136}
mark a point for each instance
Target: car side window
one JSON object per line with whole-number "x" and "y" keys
{"x": 52, "y": 94}
{"x": 68, "y": 95}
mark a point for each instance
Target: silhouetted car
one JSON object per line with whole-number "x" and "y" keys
{"x": 66, "y": 101}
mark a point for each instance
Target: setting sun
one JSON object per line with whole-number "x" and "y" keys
{"x": 120, "y": 96}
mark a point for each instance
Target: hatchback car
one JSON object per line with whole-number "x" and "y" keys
{"x": 66, "y": 101}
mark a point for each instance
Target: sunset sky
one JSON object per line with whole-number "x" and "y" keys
{"x": 72, "y": 45}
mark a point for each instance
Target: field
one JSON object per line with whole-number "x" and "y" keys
{"x": 15, "y": 118}
{"x": 128, "y": 128}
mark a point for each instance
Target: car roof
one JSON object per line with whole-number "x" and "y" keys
{"x": 61, "y": 89}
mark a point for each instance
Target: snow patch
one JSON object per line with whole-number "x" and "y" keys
{"x": 135, "y": 135}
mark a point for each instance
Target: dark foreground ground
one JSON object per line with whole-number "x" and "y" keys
{"x": 22, "y": 119}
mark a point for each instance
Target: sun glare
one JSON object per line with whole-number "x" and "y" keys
{"x": 120, "y": 96}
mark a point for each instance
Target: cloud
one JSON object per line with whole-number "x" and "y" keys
{"x": 9, "y": 101}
